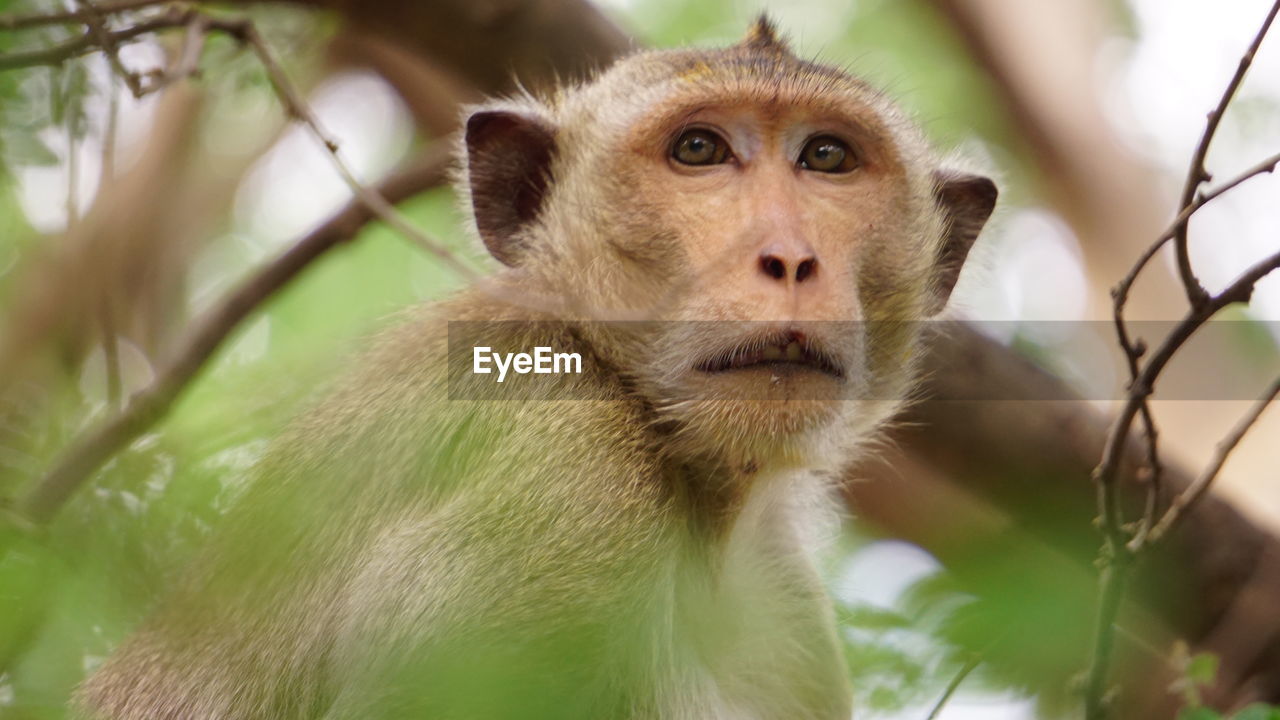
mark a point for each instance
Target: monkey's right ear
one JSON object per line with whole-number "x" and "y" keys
{"x": 508, "y": 167}
{"x": 966, "y": 201}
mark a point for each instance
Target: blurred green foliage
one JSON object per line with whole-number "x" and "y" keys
{"x": 1199, "y": 672}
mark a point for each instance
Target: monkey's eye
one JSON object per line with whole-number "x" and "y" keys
{"x": 827, "y": 154}
{"x": 700, "y": 147}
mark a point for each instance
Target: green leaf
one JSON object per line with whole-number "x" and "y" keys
{"x": 1199, "y": 713}
{"x": 23, "y": 148}
{"x": 1258, "y": 712}
{"x": 1203, "y": 668}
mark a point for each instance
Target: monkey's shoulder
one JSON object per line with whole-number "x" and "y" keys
{"x": 411, "y": 412}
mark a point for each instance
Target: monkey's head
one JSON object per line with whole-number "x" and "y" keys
{"x": 780, "y": 224}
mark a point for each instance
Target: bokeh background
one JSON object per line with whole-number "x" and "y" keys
{"x": 121, "y": 220}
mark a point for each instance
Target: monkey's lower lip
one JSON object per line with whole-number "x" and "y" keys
{"x": 791, "y": 355}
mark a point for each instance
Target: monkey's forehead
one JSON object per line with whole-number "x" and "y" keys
{"x": 651, "y": 81}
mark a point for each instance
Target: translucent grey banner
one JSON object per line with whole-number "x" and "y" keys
{"x": 1226, "y": 360}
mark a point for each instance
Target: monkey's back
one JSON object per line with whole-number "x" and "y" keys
{"x": 400, "y": 549}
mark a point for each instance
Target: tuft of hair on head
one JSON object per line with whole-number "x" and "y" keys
{"x": 763, "y": 35}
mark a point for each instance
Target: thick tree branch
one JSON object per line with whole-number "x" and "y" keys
{"x": 494, "y": 44}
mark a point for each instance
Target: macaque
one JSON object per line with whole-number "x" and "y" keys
{"x": 739, "y": 247}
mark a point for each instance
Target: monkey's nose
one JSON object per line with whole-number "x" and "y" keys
{"x": 784, "y": 265}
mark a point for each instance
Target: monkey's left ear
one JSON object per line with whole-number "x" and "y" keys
{"x": 966, "y": 202}
{"x": 508, "y": 167}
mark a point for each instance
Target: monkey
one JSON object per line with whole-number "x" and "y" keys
{"x": 740, "y": 245}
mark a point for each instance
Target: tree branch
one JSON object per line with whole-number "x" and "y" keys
{"x": 1121, "y": 292}
{"x": 92, "y": 42}
{"x": 1119, "y": 552}
{"x": 1197, "y": 490}
{"x": 1197, "y": 174}
{"x": 148, "y": 406}
{"x": 297, "y": 108}
{"x": 96, "y": 21}
{"x": 74, "y": 17}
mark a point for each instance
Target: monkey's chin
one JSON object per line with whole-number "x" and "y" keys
{"x": 761, "y": 411}
{"x": 782, "y": 387}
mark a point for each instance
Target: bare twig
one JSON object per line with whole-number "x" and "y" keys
{"x": 1134, "y": 351}
{"x": 1200, "y": 486}
{"x": 149, "y": 405}
{"x": 1121, "y": 291}
{"x": 297, "y": 108}
{"x": 1119, "y": 552}
{"x": 188, "y": 62}
{"x": 96, "y": 21}
{"x": 244, "y": 31}
{"x": 1135, "y": 348}
{"x": 73, "y": 17}
{"x": 1197, "y": 174}
{"x": 87, "y": 43}
{"x": 1239, "y": 291}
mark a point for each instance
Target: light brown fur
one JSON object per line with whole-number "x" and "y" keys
{"x": 424, "y": 544}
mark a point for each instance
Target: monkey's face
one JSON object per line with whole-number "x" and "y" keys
{"x": 770, "y": 218}
{"x": 760, "y": 218}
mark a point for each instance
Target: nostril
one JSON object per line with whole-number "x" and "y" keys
{"x": 805, "y": 269}
{"x": 773, "y": 267}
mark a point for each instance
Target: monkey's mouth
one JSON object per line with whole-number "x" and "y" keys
{"x": 781, "y": 352}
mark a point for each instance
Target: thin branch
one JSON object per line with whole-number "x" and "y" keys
{"x": 244, "y": 31}
{"x": 73, "y": 17}
{"x": 1121, "y": 291}
{"x": 1116, "y": 553}
{"x": 1135, "y": 348}
{"x": 87, "y": 43}
{"x": 188, "y": 62}
{"x": 96, "y": 21}
{"x": 1194, "y": 492}
{"x": 1239, "y": 291}
{"x": 149, "y": 405}
{"x": 1197, "y": 174}
{"x": 1114, "y": 578}
{"x": 297, "y": 108}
